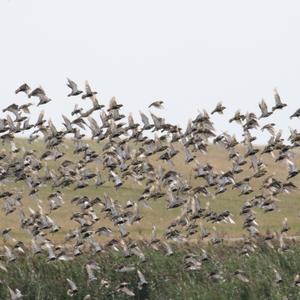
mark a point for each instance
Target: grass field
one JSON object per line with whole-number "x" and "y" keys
{"x": 167, "y": 277}
{"x": 288, "y": 205}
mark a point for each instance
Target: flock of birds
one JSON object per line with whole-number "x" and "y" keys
{"x": 126, "y": 154}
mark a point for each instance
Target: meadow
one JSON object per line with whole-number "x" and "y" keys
{"x": 288, "y": 205}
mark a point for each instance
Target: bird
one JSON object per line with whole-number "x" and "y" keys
{"x": 292, "y": 169}
{"x": 40, "y": 93}
{"x": 123, "y": 287}
{"x": 15, "y": 294}
{"x": 91, "y": 267}
{"x": 296, "y": 114}
{"x": 278, "y": 278}
{"x": 88, "y": 91}
{"x": 157, "y": 104}
{"x": 142, "y": 281}
{"x": 285, "y": 227}
{"x": 145, "y": 120}
{"x": 239, "y": 274}
{"x": 219, "y": 108}
{"x": 72, "y": 288}
{"x": 264, "y": 109}
{"x": 74, "y": 89}
{"x": 76, "y": 110}
{"x": 278, "y": 102}
{"x": 113, "y": 105}
{"x": 297, "y": 280}
{"x": 238, "y": 117}
{"x": 270, "y": 128}
{"x": 25, "y": 88}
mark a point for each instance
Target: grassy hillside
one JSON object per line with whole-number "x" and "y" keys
{"x": 288, "y": 205}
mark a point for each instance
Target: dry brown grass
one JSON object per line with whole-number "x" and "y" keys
{"x": 288, "y": 205}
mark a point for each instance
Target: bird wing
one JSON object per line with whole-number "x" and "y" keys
{"x": 263, "y": 106}
{"x": 88, "y": 87}
{"x": 277, "y": 97}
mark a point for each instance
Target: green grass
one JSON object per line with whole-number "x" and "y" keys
{"x": 166, "y": 276}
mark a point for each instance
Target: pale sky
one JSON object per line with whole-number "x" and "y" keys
{"x": 190, "y": 54}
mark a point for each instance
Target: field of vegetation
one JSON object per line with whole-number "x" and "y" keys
{"x": 288, "y": 204}
{"x": 222, "y": 274}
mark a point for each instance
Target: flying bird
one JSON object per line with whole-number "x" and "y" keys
{"x": 278, "y": 102}
{"x": 264, "y": 109}
{"x": 88, "y": 91}
{"x": 219, "y": 108}
{"x": 24, "y": 88}
{"x": 74, "y": 89}
{"x": 157, "y": 104}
